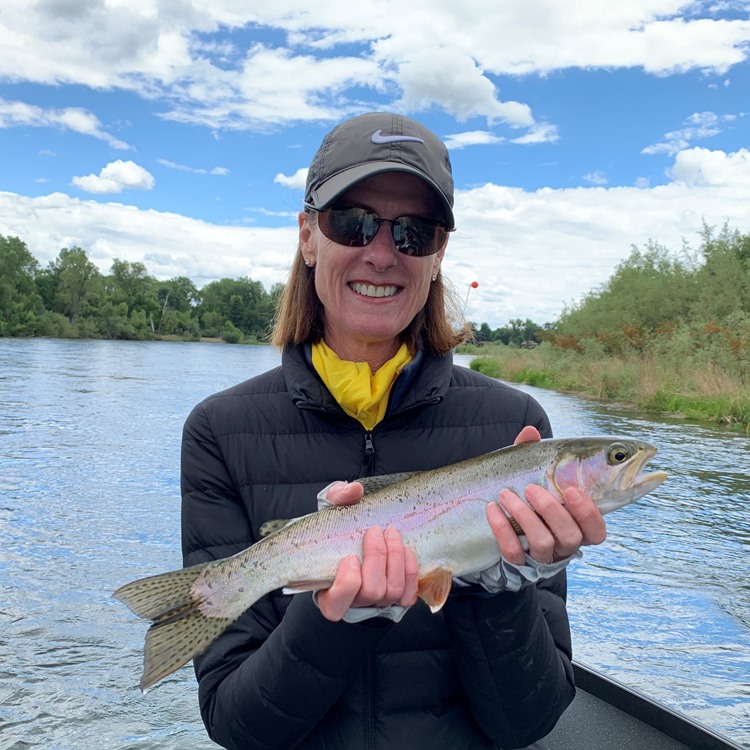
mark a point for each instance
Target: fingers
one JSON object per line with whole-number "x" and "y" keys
{"x": 389, "y": 570}
{"x": 345, "y": 493}
{"x": 387, "y": 575}
{"x": 375, "y": 550}
{"x": 554, "y": 531}
{"x": 411, "y": 579}
{"x": 507, "y": 539}
{"x": 335, "y": 601}
{"x": 587, "y": 515}
{"x": 528, "y": 434}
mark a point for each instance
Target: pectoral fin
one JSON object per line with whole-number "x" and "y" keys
{"x": 297, "y": 587}
{"x": 434, "y": 588}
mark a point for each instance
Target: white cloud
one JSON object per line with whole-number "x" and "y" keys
{"x": 295, "y": 181}
{"x": 272, "y": 86}
{"x": 21, "y": 114}
{"x": 181, "y": 52}
{"x": 532, "y": 251}
{"x": 450, "y": 78}
{"x": 186, "y": 247}
{"x": 222, "y": 171}
{"x": 698, "y": 126}
{"x": 457, "y": 141}
{"x": 535, "y": 251}
{"x": 596, "y": 178}
{"x": 115, "y": 177}
{"x": 698, "y": 167}
{"x": 539, "y": 133}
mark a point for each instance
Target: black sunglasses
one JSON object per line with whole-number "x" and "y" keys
{"x": 356, "y": 227}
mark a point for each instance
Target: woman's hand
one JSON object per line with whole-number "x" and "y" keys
{"x": 554, "y": 531}
{"x": 387, "y": 574}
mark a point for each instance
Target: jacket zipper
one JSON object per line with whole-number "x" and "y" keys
{"x": 369, "y": 453}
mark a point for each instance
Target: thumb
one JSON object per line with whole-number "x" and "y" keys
{"x": 345, "y": 493}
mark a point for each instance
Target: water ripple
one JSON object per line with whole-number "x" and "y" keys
{"x": 89, "y": 499}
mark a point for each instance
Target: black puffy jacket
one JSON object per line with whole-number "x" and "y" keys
{"x": 485, "y": 672}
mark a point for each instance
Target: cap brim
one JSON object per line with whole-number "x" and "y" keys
{"x": 323, "y": 195}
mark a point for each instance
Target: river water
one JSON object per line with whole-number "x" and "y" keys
{"x": 89, "y": 499}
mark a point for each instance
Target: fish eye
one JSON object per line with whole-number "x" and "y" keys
{"x": 617, "y": 454}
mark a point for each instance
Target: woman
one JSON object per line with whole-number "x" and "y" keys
{"x": 367, "y": 387}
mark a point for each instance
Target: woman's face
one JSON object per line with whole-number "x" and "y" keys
{"x": 370, "y": 294}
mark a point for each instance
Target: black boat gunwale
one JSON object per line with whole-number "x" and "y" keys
{"x": 669, "y": 722}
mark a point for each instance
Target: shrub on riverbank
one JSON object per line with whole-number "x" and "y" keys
{"x": 662, "y": 380}
{"x": 667, "y": 332}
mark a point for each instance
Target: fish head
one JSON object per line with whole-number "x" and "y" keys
{"x": 609, "y": 470}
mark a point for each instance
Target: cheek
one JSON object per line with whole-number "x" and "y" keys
{"x": 330, "y": 283}
{"x": 422, "y": 284}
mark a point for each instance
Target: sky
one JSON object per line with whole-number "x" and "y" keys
{"x": 177, "y": 133}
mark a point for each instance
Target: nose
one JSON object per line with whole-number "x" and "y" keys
{"x": 381, "y": 251}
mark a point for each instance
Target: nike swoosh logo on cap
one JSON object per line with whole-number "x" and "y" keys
{"x": 378, "y": 138}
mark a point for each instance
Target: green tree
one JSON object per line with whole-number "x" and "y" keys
{"x": 648, "y": 291}
{"x": 183, "y": 324}
{"x": 723, "y": 280}
{"x": 243, "y": 302}
{"x": 484, "y": 333}
{"x": 78, "y": 284}
{"x": 114, "y": 322}
{"x": 129, "y": 283}
{"x": 178, "y": 298}
{"x": 518, "y": 333}
{"x": 20, "y": 303}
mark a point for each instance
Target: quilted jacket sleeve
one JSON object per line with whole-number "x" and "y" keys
{"x": 266, "y": 682}
{"x": 513, "y": 654}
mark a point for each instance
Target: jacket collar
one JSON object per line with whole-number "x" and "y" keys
{"x": 425, "y": 380}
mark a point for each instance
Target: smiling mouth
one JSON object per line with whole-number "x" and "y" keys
{"x": 369, "y": 290}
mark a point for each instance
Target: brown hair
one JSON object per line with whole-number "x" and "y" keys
{"x": 299, "y": 314}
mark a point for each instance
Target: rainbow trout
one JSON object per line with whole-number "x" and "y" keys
{"x": 440, "y": 514}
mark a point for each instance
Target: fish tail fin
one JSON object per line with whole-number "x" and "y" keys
{"x": 180, "y": 630}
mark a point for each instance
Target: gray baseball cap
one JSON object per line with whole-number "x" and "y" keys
{"x": 378, "y": 142}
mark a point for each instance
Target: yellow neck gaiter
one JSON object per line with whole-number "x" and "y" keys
{"x": 361, "y": 393}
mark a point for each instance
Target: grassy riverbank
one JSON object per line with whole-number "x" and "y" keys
{"x": 679, "y": 386}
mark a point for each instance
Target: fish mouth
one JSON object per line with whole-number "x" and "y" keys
{"x": 632, "y": 483}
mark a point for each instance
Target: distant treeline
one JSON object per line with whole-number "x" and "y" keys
{"x": 696, "y": 300}
{"x": 71, "y": 298}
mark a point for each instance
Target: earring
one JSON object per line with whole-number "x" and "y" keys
{"x": 308, "y": 262}
{"x": 434, "y": 278}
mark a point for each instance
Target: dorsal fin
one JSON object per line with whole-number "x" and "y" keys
{"x": 277, "y": 524}
{"x": 373, "y": 484}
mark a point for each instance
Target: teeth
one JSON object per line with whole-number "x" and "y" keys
{"x": 368, "y": 290}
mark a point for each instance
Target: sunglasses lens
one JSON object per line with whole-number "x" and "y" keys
{"x": 415, "y": 236}
{"x": 356, "y": 227}
{"x": 348, "y": 226}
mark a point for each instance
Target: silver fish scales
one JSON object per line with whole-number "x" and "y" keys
{"x": 440, "y": 514}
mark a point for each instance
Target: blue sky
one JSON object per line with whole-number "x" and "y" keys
{"x": 178, "y": 135}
